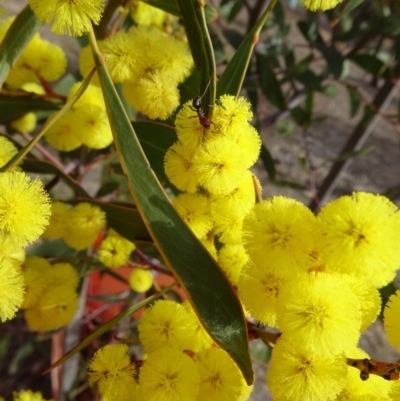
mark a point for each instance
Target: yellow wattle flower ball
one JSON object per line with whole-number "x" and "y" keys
{"x": 115, "y": 251}
{"x": 285, "y": 230}
{"x": 58, "y": 220}
{"x": 165, "y": 324}
{"x": 259, "y": 289}
{"x": 141, "y": 280}
{"x": 391, "y": 319}
{"x": 85, "y": 222}
{"x": 55, "y": 308}
{"x": 153, "y": 94}
{"x": 217, "y": 167}
{"x": 297, "y": 376}
{"x": 145, "y": 14}
{"x": 28, "y": 395}
{"x": 318, "y": 314}
{"x": 200, "y": 339}
{"x": 178, "y": 166}
{"x": 112, "y": 371}
{"x": 360, "y": 235}
{"x": 195, "y": 210}
{"x": 24, "y": 208}
{"x": 169, "y": 375}
{"x": 11, "y": 290}
{"x": 26, "y": 123}
{"x": 232, "y": 258}
{"x": 220, "y": 378}
{"x": 7, "y": 150}
{"x": 66, "y": 17}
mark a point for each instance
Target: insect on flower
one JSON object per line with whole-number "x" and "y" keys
{"x": 205, "y": 121}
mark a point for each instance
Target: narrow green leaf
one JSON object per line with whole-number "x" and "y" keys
{"x": 124, "y": 219}
{"x": 310, "y": 80}
{"x": 354, "y": 154}
{"x": 390, "y": 25}
{"x": 18, "y": 36}
{"x": 350, "y": 6}
{"x": 206, "y": 286}
{"x": 355, "y": 100}
{"x": 371, "y": 64}
{"x": 270, "y": 85}
{"x": 170, "y": 7}
{"x": 298, "y": 69}
{"x": 106, "y": 327}
{"x": 299, "y": 115}
{"x": 334, "y": 60}
{"x": 107, "y": 189}
{"x": 155, "y": 139}
{"x": 13, "y": 107}
{"x": 309, "y": 28}
{"x": 43, "y": 167}
{"x": 192, "y": 12}
{"x": 268, "y": 162}
{"x": 232, "y": 78}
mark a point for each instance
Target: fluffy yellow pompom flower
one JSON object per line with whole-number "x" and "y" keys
{"x": 391, "y": 319}
{"x": 39, "y": 60}
{"x": 91, "y": 96}
{"x": 115, "y": 251}
{"x": 178, "y": 165}
{"x": 259, "y": 289}
{"x": 368, "y": 298}
{"x": 283, "y": 229}
{"x": 232, "y": 115}
{"x": 15, "y": 256}
{"x": 145, "y": 14}
{"x": 7, "y": 150}
{"x": 374, "y": 389}
{"x": 111, "y": 369}
{"x": 195, "y": 211}
{"x": 63, "y": 135}
{"x": 318, "y": 313}
{"x": 24, "y": 208}
{"x": 153, "y": 94}
{"x": 200, "y": 339}
{"x": 169, "y": 375}
{"x": 296, "y": 376}
{"x": 68, "y": 17}
{"x": 26, "y": 123}
{"x": 165, "y": 324}
{"x": 124, "y": 61}
{"x": 35, "y": 271}
{"x": 141, "y": 280}
{"x": 228, "y": 222}
{"x": 27, "y": 395}
{"x": 188, "y": 127}
{"x": 11, "y": 290}
{"x": 232, "y": 258}
{"x": 361, "y": 236}
{"x": 93, "y": 126}
{"x": 220, "y": 378}
{"x": 85, "y": 223}
{"x": 58, "y": 220}
{"x": 217, "y": 165}
{"x": 315, "y": 5}
{"x": 55, "y": 308}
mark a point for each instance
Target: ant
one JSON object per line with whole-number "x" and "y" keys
{"x": 205, "y": 122}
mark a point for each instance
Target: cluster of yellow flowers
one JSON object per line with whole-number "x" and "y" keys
{"x": 51, "y": 299}
{"x": 86, "y": 123}
{"x": 211, "y": 167}
{"x": 181, "y": 363}
{"x": 149, "y": 63}
{"x": 40, "y": 60}
{"x": 316, "y": 279}
{"x": 65, "y": 221}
